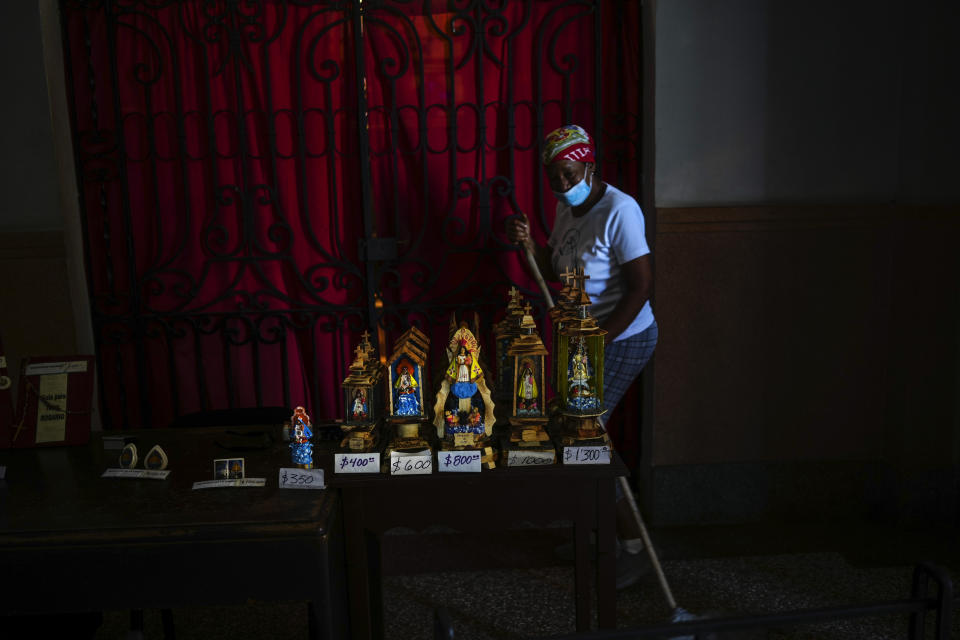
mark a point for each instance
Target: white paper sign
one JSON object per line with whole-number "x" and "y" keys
{"x": 468, "y": 461}
{"x": 239, "y": 482}
{"x": 300, "y": 479}
{"x": 150, "y": 474}
{"x": 50, "y": 368}
{"x": 586, "y": 455}
{"x": 413, "y": 463}
{"x": 522, "y": 458}
{"x": 356, "y": 462}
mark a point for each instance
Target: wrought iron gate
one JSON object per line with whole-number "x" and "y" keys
{"x": 262, "y": 180}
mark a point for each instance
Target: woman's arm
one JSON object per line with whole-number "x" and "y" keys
{"x": 637, "y": 279}
{"x": 518, "y": 232}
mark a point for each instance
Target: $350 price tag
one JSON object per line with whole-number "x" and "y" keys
{"x": 409, "y": 464}
{"x": 356, "y": 463}
{"x": 586, "y": 455}
{"x": 301, "y": 479}
{"x": 468, "y": 461}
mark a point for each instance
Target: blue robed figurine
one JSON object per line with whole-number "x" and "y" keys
{"x": 405, "y": 389}
{"x": 301, "y": 431}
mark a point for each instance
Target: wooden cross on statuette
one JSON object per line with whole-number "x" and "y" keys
{"x": 568, "y": 275}
{"x": 514, "y": 297}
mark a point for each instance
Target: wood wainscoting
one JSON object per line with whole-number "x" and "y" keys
{"x": 795, "y": 337}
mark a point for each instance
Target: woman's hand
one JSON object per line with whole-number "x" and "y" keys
{"x": 518, "y": 231}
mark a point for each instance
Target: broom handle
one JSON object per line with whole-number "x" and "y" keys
{"x": 544, "y": 289}
{"x": 628, "y": 493}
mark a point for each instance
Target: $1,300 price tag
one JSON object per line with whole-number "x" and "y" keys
{"x": 586, "y": 455}
{"x": 356, "y": 462}
{"x": 301, "y": 479}
{"x": 467, "y": 461}
{"x": 411, "y": 464}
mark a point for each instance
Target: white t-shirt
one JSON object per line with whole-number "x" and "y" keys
{"x": 611, "y": 233}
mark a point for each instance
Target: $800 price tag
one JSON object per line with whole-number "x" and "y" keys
{"x": 409, "y": 464}
{"x": 468, "y": 461}
{"x": 586, "y": 455}
{"x": 356, "y": 463}
{"x": 301, "y": 479}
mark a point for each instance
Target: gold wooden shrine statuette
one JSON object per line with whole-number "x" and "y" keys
{"x": 528, "y": 418}
{"x": 406, "y": 381}
{"x": 363, "y": 395}
{"x": 578, "y": 371}
{"x": 464, "y": 407}
{"x": 504, "y": 333}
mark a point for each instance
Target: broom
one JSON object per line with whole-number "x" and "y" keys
{"x": 678, "y": 614}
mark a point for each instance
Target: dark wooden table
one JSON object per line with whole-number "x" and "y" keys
{"x": 71, "y": 541}
{"x": 492, "y": 500}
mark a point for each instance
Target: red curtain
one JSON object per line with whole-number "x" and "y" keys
{"x": 226, "y": 182}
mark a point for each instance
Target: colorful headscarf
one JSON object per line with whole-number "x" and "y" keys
{"x": 569, "y": 142}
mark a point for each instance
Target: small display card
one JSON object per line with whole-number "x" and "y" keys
{"x": 466, "y": 461}
{"x": 412, "y": 463}
{"x": 136, "y": 474}
{"x": 356, "y": 462}
{"x": 239, "y": 482}
{"x": 516, "y": 458}
{"x": 586, "y": 455}
{"x": 301, "y": 479}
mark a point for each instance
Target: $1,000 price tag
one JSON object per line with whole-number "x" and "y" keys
{"x": 301, "y": 479}
{"x": 529, "y": 458}
{"x": 466, "y": 461}
{"x": 586, "y": 455}
{"x": 356, "y": 462}
{"x": 411, "y": 464}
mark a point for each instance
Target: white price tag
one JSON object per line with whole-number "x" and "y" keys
{"x": 520, "y": 458}
{"x": 239, "y": 482}
{"x": 413, "y": 463}
{"x": 586, "y": 455}
{"x": 468, "y": 461}
{"x": 356, "y": 462}
{"x": 136, "y": 474}
{"x": 301, "y": 479}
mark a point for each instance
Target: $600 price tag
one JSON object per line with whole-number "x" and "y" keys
{"x": 408, "y": 464}
{"x": 586, "y": 455}
{"x": 356, "y": 463}
{"x": 301, "y": 479}
{"x": 468, "y": 461}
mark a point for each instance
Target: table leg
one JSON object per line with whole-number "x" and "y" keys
{"x": 606, "y": 554}
{"x": 358, "y": 586}
{"x": 375, "y": 580}
{"x": 581, "y": 555}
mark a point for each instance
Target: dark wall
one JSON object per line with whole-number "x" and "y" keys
{"x": 806, "y": 276}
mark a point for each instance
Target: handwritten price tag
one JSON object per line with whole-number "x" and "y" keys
{"x": 239, "y": 482}
{"x": 586, "y": 455}
{"x": 136, "y": 474}
{"x": 464, "y": 461}
{"x": 411, "y": 464}
{"x": 301, "y": 479}
{"x": 356, "y": 462}
{"x": 529, "y": 458}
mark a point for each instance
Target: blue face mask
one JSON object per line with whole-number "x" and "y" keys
{"x": 575, "y": 195}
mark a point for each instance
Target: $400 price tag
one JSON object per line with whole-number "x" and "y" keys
{"x": 409, "y": 464}
{"x": 356, "y": 462}
{"x": 468, "y": 461}
{"x": 586, "y": 455}
{"x": 301, "y": 479}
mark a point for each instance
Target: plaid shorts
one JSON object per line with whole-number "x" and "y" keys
{"x": 623, "y": 361}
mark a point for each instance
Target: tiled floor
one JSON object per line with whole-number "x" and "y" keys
{"x": 713, "y": 571}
